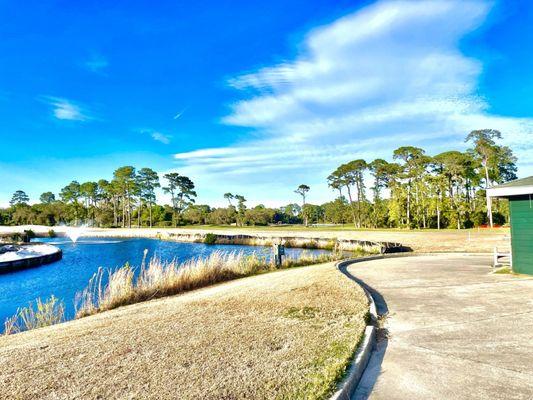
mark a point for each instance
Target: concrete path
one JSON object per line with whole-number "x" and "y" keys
{"x": 454, "y": 330}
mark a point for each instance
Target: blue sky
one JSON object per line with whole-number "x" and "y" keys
{"x": 253, "y": 98}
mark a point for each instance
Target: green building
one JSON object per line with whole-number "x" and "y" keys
{"x": 520, "y": 195}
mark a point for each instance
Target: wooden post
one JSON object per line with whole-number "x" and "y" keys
{"x": 279, "y": 252}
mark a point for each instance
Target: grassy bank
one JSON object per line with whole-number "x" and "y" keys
{"x": 283, "y": 335}
{"x": 109, "y": 289}
{"x": 160, "y": 279}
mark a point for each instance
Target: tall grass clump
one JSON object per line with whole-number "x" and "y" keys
{"x": 98, "y": 296}
{"x": 49, "y": 312}
{"x": 159, "y": 279}
{"x": 308, "y": 258}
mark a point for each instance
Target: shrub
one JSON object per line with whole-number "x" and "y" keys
{"x": 498, "y": 218}
{"x": 479, "y": 218}
{"x": 210, "y": 238}
{"x": 468, "y": 224}
{"x": 27, "y": 236}
{"x": 51, "y": 233}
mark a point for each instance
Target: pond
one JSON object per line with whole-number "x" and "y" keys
{"x": 81, "y": 260}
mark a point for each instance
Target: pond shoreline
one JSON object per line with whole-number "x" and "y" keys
{"x": 249, "y": 239}
{"x": 257, "y": 240}
{"x": 72, "y": 273}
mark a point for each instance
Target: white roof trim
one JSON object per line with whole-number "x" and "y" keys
{"x": 510, "y": 191}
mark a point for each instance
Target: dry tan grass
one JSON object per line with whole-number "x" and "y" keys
{"x": 160, "y": 279}
{"x": 38, "y": 315}
{"x": 286, "y": 334}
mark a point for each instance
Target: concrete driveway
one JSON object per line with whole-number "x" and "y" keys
{"x": 452, "y": 331}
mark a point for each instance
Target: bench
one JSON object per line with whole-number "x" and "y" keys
{"x": 499, "y": 258}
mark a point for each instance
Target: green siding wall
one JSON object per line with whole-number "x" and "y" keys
{"x": 522, "y": 233}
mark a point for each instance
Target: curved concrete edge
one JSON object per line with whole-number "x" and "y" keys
{"x": 372, "y": 309}
{"x": 30, "y": 262}
{"x": 364, "y": 350}
{"x": 362, "y": 355}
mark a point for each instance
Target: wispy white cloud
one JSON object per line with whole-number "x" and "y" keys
{"x": 96, "y": 64}
{"x": 388, "y": 75}
{"x": 179, "y": 114}
{"x": 66, "y": 109}
{"x": 206, "y": 153}
{"x": 161, "y": 137}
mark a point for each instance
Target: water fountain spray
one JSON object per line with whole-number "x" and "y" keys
{"x": 75, "y": 232}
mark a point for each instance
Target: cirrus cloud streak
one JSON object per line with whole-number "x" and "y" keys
{"x": 390, "y": 74}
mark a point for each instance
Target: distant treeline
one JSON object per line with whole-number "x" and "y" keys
{"x": 447, "y": 190}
